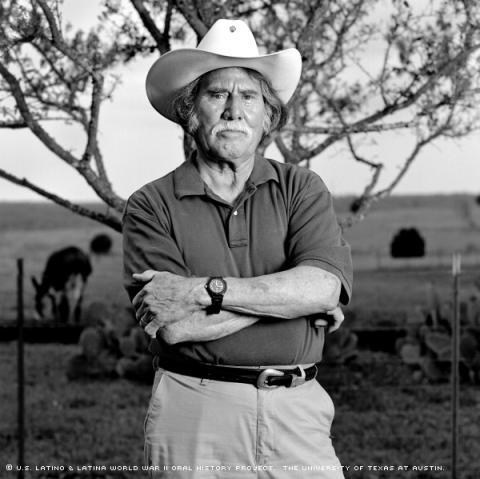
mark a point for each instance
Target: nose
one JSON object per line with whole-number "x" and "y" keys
{"x": 233, "y": 108}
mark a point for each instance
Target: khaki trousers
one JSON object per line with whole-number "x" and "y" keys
{"x": 200, "y": 428}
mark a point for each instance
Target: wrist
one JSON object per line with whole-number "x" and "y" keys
{"x": 230, "y": 298}
{"x": 200, "y": 295}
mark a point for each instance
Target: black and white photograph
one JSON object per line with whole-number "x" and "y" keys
{"x": 239, "y": 239}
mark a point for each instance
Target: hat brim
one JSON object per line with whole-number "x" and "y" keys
{"x": 176, "y": 69}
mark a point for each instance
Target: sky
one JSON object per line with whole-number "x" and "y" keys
{"x": 139, "y": 145}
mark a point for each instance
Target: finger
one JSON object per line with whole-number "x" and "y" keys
{"x": 151, "y": 329}
{"x": 336, "y": 312}
{"x": 333, "y": 327}
{"x": 146, "y": 276}
{"x": 143, "y": 322}
{"x": 137, "y": 300}
{"x": 144, "y": 316}
{"x": 141, "y": 315}
{"x": 339, "y": 318}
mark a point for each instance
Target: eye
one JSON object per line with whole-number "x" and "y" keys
{"x": 218, "y": 95}
{"x": 252, "y": 98}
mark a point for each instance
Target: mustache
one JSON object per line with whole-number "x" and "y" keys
{"x": 230, "y": 126}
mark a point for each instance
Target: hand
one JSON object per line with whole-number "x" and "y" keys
{"x": 164, "y": 299}
{"x": 337, "y": 320}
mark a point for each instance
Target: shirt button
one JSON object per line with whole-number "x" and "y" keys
{"x": 235, "y": 212}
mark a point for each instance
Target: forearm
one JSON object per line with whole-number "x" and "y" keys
{"x": 167, "y": 299}
{"x": 294, "y": 293}
{"x": 202, "y": 327}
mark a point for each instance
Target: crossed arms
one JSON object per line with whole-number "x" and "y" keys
{"x": 175, "y": 306}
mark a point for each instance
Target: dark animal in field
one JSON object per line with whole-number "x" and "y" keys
{"x": 59, "y": 295}
{"x": 101, "y": 244}
{"x": 407, "y": 243}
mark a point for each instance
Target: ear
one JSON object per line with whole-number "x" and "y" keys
{"x": 35, "y": 283}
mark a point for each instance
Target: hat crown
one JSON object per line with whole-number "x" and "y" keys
{"x": 230, "y": 38}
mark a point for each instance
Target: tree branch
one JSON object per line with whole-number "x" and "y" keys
{"x": 357, "y": 157}
{"x": 190, "y": 13}
{"x": 386, "y": 191}
{"x": 364, "y": 203}
{"x": 344, "y": 28}
{"x": 168, "y": 21}
{"x": 33, "y": 124}
{"x": 398, "y": 105}
{"x": 288, "y": 155}
{"x": 108, "y": 219}
{"x": 352, "y": 128}
{"x": 161, "y": 40}
{"x": 92, "y": 131}
{"x": 13, "y": 124}
{"x": 101, "y": 188}
{"x": 59, "y": 42}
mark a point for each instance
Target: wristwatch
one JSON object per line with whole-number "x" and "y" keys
{"x": 216, "y": 288}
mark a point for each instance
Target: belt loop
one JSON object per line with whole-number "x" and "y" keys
{"x": 298, "y": 380}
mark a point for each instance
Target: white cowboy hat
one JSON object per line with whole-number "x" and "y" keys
{"x": 229, "y": 43}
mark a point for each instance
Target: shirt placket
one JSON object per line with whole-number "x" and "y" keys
{"x": 237, "y": 221}
{"x": 237, "y": 227}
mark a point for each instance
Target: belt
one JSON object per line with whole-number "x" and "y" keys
{"x": 267, "y": 378}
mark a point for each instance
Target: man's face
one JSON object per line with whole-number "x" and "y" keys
{"x": 230, "y": 112}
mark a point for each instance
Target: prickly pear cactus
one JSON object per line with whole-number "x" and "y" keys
{"x": 97, "y": 359}
{"x": 427, "y": 346}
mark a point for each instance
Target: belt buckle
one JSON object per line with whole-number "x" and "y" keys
{"x": 264, "y": 375}
{"x": 298, "y": 380}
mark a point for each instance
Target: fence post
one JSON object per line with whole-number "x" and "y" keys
{"x": 20, "y": 371}
{"x": 456, "y": 269}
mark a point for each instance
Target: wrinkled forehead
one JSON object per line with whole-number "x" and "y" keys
{"x": 228, "y": 78}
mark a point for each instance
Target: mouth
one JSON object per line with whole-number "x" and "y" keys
{"x": 231, "y": 132}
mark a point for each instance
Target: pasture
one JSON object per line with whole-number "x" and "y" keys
{"x": 383, "y": 416}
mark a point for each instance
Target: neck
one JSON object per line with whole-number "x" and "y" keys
{"x": 225, "y": 178}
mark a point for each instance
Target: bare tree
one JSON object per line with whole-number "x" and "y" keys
{"x": 426, "y": 80}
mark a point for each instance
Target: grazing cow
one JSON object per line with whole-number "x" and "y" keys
{"x": 62, "y": 286}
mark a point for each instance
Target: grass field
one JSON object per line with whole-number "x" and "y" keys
{"x": 382, "y": 418}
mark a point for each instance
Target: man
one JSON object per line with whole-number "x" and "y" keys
{"x": 230, "y": 261}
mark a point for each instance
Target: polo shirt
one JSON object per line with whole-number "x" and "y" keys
{"x": 284, "y": 218}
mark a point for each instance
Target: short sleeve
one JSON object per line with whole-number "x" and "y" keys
{"x": 315, "y": 237}
{"x": 147, "y": 242}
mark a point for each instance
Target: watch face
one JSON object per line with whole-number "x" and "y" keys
{"x": 217, "y": 286}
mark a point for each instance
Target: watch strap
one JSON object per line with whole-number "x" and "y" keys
{"x": 216, "y": 305}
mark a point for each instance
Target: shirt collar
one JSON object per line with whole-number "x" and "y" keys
{"x": 188, "y": 182}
